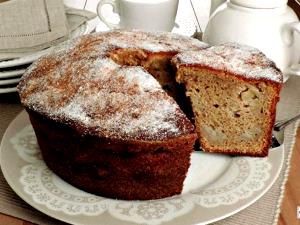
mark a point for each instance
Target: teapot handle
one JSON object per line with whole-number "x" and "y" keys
{"x": 288, "y": 39}
{"x": 288, "y": 32}
{"x": 214, "y": 4}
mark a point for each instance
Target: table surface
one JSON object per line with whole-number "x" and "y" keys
{"x": 292, "y": 192}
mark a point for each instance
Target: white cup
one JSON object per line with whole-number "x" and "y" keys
{"x": 141, "y": 14}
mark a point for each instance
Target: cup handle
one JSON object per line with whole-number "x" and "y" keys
{"x": 114, "y": 4}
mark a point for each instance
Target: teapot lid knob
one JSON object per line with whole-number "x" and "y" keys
{"x": 260, "y": 4}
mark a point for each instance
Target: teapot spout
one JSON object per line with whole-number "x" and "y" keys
{"x": 214, "y": 4}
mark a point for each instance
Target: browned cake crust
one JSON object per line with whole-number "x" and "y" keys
{"x": 234, "y": 90}
{"x": 103, "y": 123}
{"x": 114, "y": 168}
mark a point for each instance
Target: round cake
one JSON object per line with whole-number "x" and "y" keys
{"x": 104, "y": 111}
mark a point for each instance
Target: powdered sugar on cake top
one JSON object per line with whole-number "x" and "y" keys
{"x": 153, "y": 41}
{"x": 79, "y": 84}
{"x": 238, "y": 59}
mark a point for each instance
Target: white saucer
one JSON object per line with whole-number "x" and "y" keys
{"x": 182, "y": 26}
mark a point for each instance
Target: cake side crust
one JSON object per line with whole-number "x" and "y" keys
{"x": 141, "y": 171}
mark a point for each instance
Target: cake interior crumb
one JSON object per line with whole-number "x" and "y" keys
{"x": 229, "y": 111}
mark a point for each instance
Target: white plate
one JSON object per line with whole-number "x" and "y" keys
{"x": 216, "y": 187}
{"x": 32, "y": 57}
{"x": 8, "y": 90}
{"x": 9, "y": 81}
{"x": 11, "y": 73}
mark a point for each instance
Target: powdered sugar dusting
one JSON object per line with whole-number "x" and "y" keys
{"x": 238, "y": 59}
{"x": 76, "y": 112}
{"x": 152, "y": 41}
{"x": 79, "y": 83}
{"x": 137, "y": 75}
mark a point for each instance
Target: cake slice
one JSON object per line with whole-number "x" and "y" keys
{"x": 234, "y": 90}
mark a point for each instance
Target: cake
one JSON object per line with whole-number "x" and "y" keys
{"x": 104, "y": 116}
{"x": 234, "y": 90}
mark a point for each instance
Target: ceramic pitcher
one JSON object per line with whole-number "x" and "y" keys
{"x": 269, "y": 25}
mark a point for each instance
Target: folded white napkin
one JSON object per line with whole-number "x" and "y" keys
{"x": 74, "y": 19}
{"x": 27, "y": 23}
{"x": 28, "y": 26}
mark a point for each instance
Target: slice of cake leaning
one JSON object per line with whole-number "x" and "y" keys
{"x": 234, "y": 90}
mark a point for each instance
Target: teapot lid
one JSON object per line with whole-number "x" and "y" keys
{"x": 260, "y": 4}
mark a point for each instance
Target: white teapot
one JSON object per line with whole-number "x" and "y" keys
{"x": 268, "y": 25}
